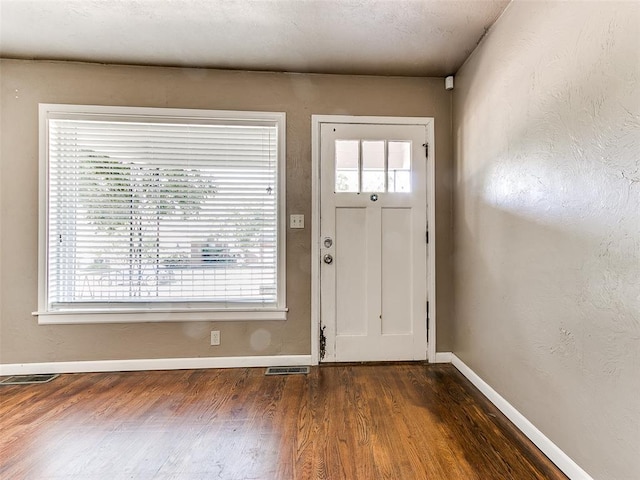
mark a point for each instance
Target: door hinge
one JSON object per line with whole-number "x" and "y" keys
{"x": 426, "y": 149}
{"x": 428, "y": 320}
{"x": 427, "y": 236}
{"x": 323, "y": 342}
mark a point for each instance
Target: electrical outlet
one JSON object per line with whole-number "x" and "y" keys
{"x": 215, "y": 337}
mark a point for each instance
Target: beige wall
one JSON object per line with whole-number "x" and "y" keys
{"x": 24, "y": 84}
{"x": 547, "y": 224}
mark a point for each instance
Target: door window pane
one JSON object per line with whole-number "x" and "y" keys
{"x": 399, "y": 167}
{"x": 347, "y": 166}
{"x": 373, "y": 166}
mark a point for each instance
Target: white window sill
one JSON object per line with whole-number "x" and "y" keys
{"x": 67, "y": 317}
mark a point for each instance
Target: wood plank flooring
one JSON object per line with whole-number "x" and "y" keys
{"x": 361, "y": 422}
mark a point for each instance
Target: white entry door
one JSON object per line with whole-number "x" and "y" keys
{"x": 373, "y": 246}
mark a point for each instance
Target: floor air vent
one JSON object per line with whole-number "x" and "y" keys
{"x": 287, "y": 371}
{"x": 27, "y": 379}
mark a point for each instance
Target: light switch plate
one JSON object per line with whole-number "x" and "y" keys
{"x": 296, "y": 221}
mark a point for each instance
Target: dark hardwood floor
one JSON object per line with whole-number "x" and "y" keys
{"x": 361, "y": 422}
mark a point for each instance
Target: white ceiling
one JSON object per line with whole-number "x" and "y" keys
{"x": 380, "y": 37}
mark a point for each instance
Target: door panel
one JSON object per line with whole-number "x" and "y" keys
{"x": 350, "y": 261}
{"x": 373, "y": 209}
{"x": 396, "y": 271}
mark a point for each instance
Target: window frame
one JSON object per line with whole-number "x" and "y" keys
{"x": 157, "y": 311}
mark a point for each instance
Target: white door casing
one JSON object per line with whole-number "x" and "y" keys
{"x": 372, "y": 297}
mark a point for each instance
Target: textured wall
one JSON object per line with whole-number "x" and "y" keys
{"x": 24, "y": 84}
{"x": 547, "y": 224}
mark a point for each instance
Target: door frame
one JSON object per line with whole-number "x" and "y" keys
{"x": 316, "y": 123}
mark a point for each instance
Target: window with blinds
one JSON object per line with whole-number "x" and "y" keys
{"x": 163, "y": 209}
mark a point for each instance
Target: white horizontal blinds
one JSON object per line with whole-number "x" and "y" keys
{"x": 158, "y": 212}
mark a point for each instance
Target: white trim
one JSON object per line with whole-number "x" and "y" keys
{"x": 184, "y": 311}
{"x": 316, "y": 122}
{"x": 281, "y": 209}
{"x": 149, "y": 113}
{"x": 368, "y": 119}
{"x": 443, "y": 357}
{"x": 315, "y": 238}
{"x": 431, "y": 246}
{"x": 551, "y": 450}
{"x": 69, "y": 317}
{"x": 154, "y": 364}
{"x": 570, "y": 468}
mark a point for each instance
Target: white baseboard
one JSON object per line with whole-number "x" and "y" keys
{"x": 570, "y": 468}
{"x": 443, "y": 357}
{"x": 551, "y": 450}
{"x": 154, "y": 364}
